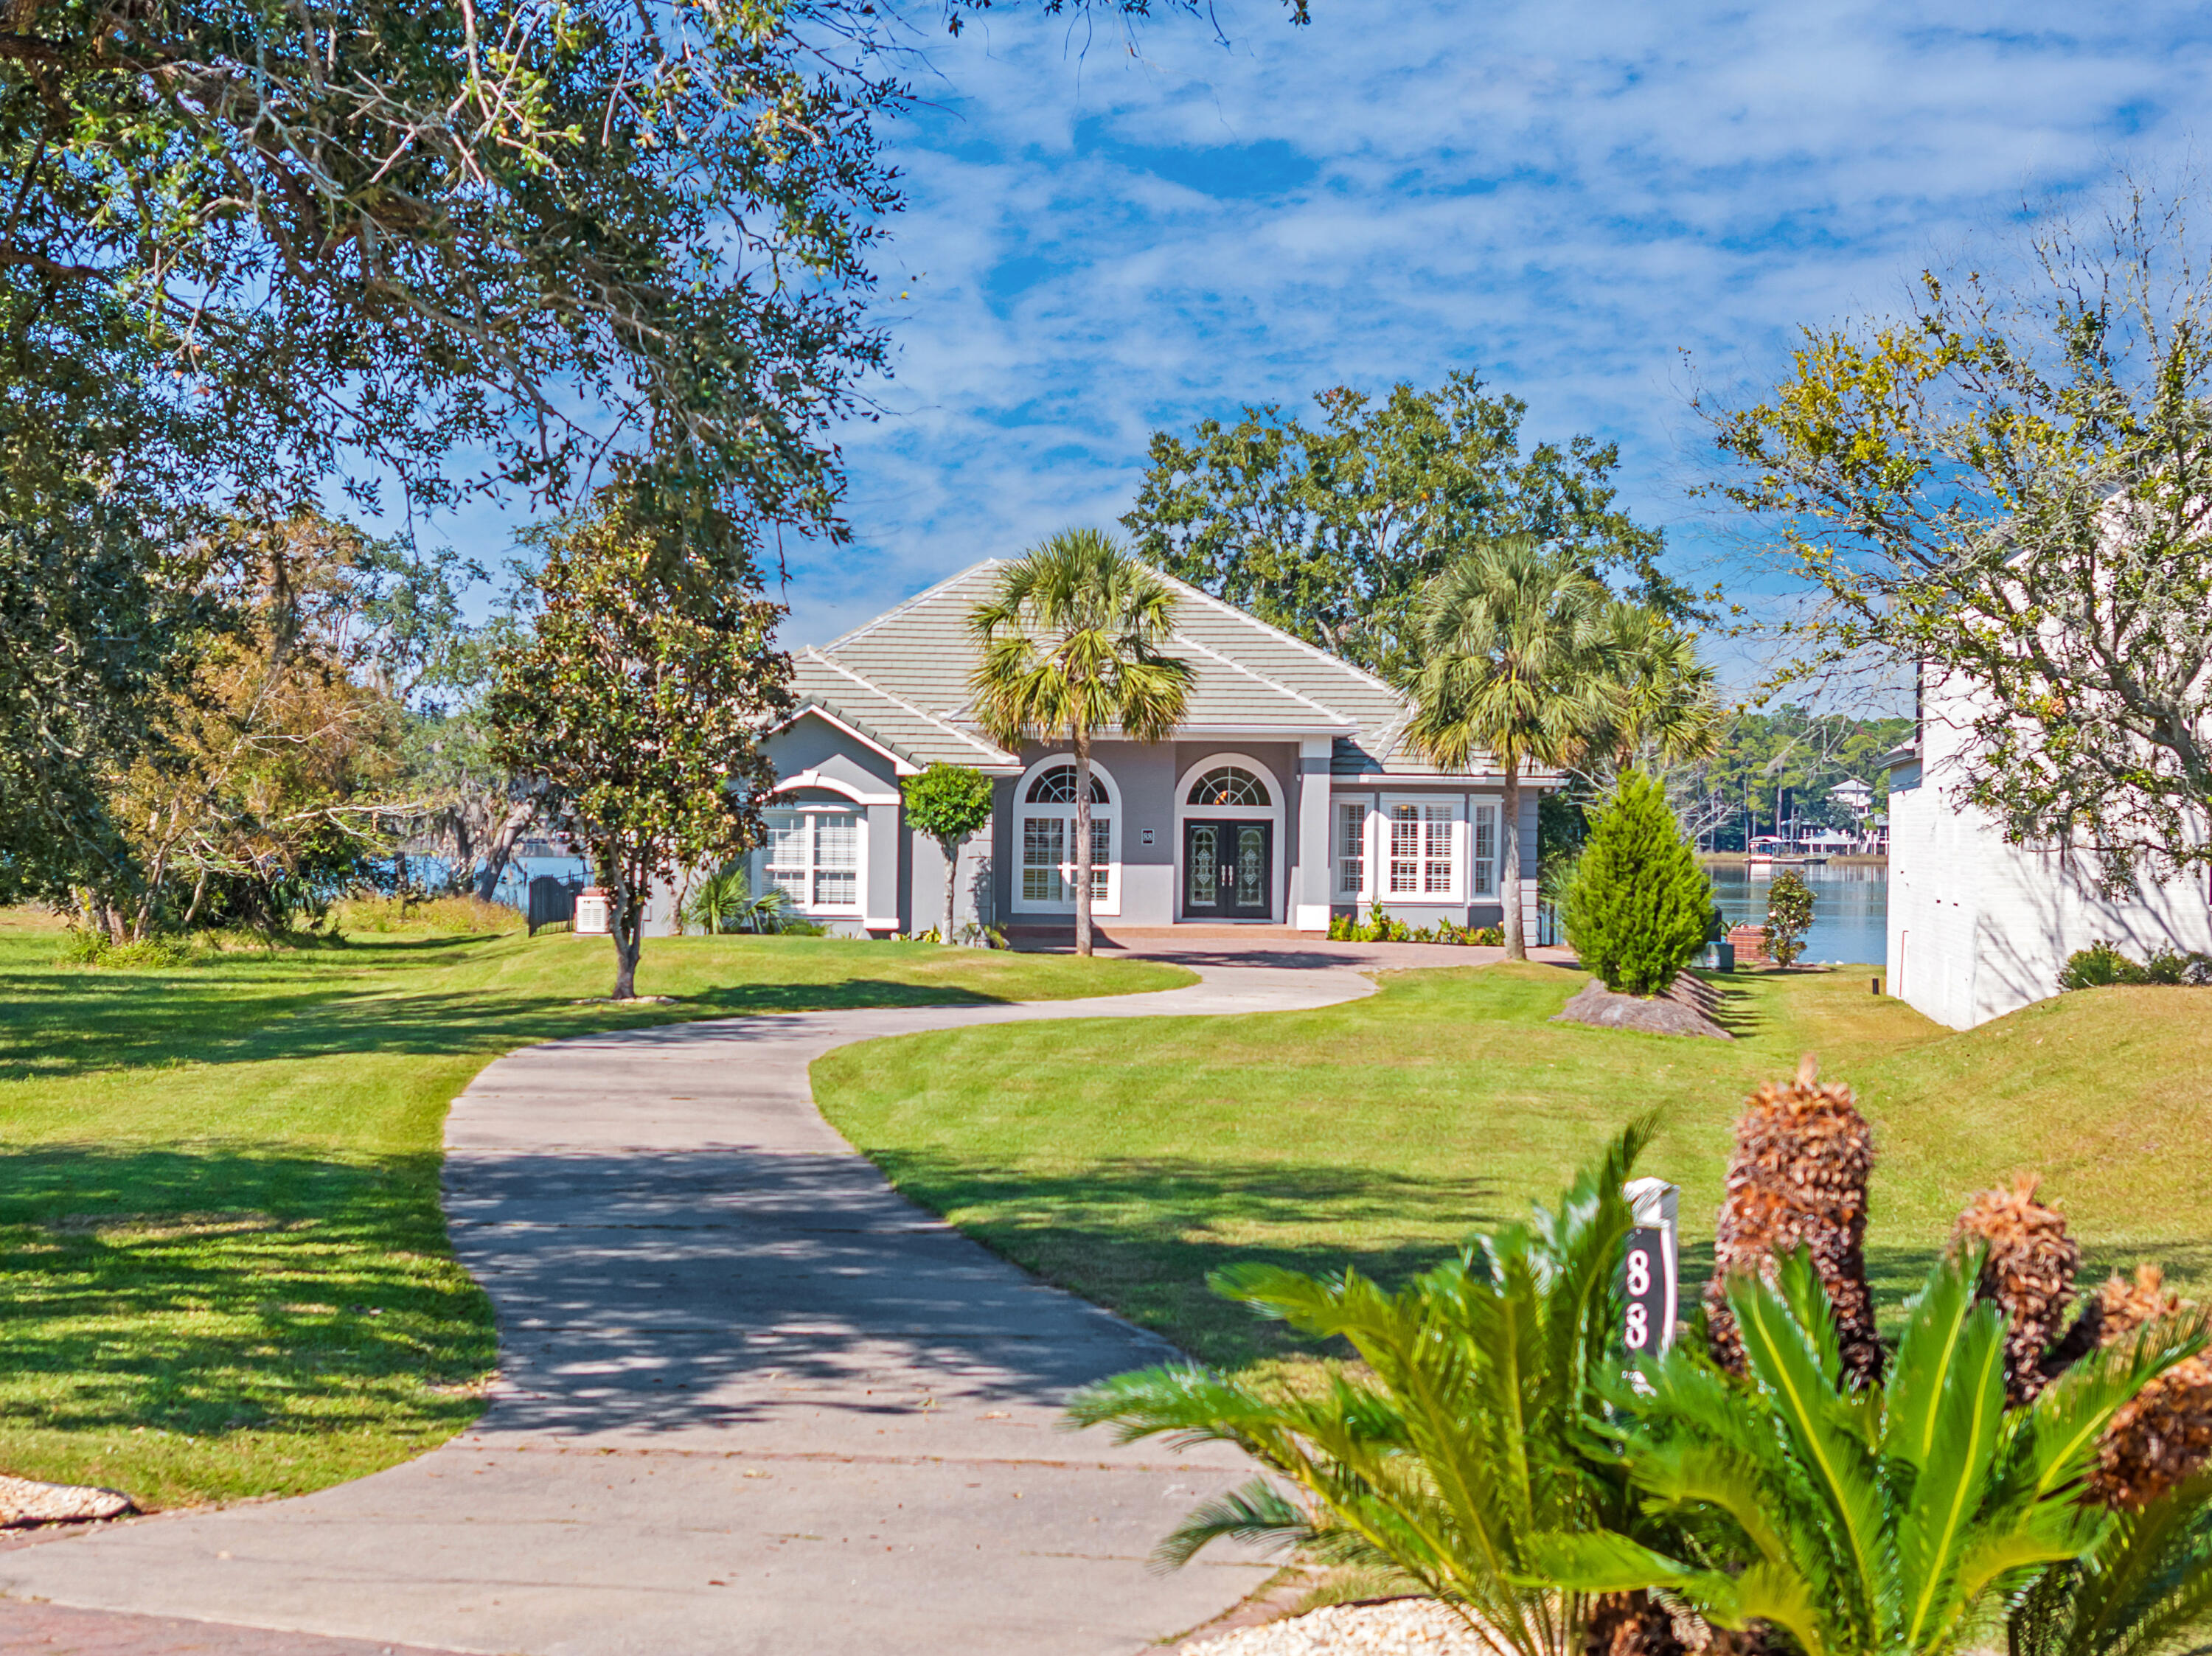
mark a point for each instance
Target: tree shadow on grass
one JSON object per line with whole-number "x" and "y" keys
{"x": 1140, "y": 1235}
{"x": 1735, "y": 1009}
{"x": 107, "y": 1027}
{"x": 209, "y": 1291}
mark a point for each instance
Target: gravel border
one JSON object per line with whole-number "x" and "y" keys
{"x": 1397, "y": 1627}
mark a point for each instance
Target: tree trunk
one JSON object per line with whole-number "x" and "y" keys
{"x": 199, "y": 890}
{"x": 499, "y": 849}
{"x": 1509, "y": 862}
{"x": 1082, "y": 840}
{"x": 627, "y": 930}
{"x": 951, "y": 848}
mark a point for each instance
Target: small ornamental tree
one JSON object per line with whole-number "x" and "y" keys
{"x": 1636, "y": 912}
{"x": 949, "y": 804}
{"x": 1788, "y": 916}
{"x": 638, "y": 698}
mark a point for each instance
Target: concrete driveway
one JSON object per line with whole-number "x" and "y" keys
{"x": 749, "y": 1399}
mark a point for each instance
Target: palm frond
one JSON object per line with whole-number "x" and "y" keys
{"x": 1257, "y": 1515}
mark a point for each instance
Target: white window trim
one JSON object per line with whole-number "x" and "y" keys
{"x": 1278, "y": 876}
{"x": 1496, "y": 811}
{"x": 859, "y": 906}
{"x": 1110, "y": 905}
{"x": 1336, "y": 849}
{"x": 1378, "y": 866}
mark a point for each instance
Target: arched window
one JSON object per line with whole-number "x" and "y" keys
{"x": 1045, "y": 825}
{"x": 1056, "y": 787}
{"x": 1229, "y": 785}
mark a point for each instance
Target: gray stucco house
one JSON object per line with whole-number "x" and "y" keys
{"x": 1288, "y": 794}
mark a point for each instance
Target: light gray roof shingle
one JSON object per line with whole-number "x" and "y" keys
{"x": 902, "y": 679}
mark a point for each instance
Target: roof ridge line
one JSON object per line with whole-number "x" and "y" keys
{"x": 1234, "y": 665}
{"x": 900, "y": 608}
{"x": 869, "y": 684}
{"x": 1291, "y": 639}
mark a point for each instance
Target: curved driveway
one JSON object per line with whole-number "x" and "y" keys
{"x": 749, "y": 1399}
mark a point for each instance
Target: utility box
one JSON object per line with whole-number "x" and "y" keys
{"x": 1651, "y": 1266}
{"x": 595, "y": 914}
{"x": 1718, "y": 957}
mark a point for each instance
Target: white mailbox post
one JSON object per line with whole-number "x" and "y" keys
{"x": 1653, "y": 1266}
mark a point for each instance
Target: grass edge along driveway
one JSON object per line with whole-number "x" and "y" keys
{"x": 1125, "y": 1162}
{"x": 227, "y": 1270}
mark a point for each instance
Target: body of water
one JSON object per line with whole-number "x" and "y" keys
{"x": 1851, "y": 908}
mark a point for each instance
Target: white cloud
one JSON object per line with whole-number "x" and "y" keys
{"x": 1560, "y": 197}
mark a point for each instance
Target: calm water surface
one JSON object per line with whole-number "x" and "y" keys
{"x": 1851, "y": 908}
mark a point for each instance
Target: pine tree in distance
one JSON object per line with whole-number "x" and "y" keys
{"x": 1637, "y": 910}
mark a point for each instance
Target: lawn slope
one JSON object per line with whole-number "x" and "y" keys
{"x": 1125, "y": 1163}
{"x": 225, "y": 1271}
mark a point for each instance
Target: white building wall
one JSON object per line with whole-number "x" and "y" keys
{"x": 1979, "y": 928}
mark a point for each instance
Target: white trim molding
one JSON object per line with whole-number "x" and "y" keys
{"x": 814, "y": 779}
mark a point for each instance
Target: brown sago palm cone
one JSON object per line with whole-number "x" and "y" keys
{"x": 1631, "y": 1624}
{"x": 2027, "y": 1272}
{"x": 2164, "y": 1433}
{"x": 1798, "y": 1179}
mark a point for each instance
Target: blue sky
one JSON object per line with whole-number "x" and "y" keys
{"x": 1566, "y": 198}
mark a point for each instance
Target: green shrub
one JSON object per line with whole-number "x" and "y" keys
{"x": 2102, "y": 964}
{"x": 88, "y": 948}
{"x": 725, "y": 901}
{"x": 1883, "y": 1520}
{"x": 1378, "y": 927}
{"x": 1637, "y": 909}
{"x": 1788, "y": 916}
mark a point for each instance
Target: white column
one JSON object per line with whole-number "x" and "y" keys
{"x": 1310, "y": 883}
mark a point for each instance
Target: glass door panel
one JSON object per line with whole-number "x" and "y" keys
{"x": 1252, "y": 868}
{"x": 1201, "y": 861}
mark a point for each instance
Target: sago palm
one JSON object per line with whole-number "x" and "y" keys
{"x": 2145, "y": 1589}
{"x": 1511, "y": 665}
{"x": 1859, "y": 1520}
{"x": 1070, "y": 643}
{"x": 1459, "y": 1443}
{"x": 725, "y": 901}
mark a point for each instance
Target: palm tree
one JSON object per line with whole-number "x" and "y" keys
{"x": 1665, "y": 710}
{"x": 1513, "y": 665}
{"x": 1071, "y": 639}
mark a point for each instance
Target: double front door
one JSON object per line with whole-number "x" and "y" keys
{"x": 1228, "y": 870}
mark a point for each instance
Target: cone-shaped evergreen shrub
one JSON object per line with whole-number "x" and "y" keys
{"x": 1636, "y": 912}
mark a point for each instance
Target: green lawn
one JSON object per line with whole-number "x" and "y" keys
{"x": 227, "y": 1273}
{"x": 1126, "y": 1161}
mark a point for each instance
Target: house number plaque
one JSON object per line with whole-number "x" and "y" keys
{"x": 1650, "y": 1268}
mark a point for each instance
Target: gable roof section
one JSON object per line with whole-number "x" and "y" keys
{"x": 901, "y": 680}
